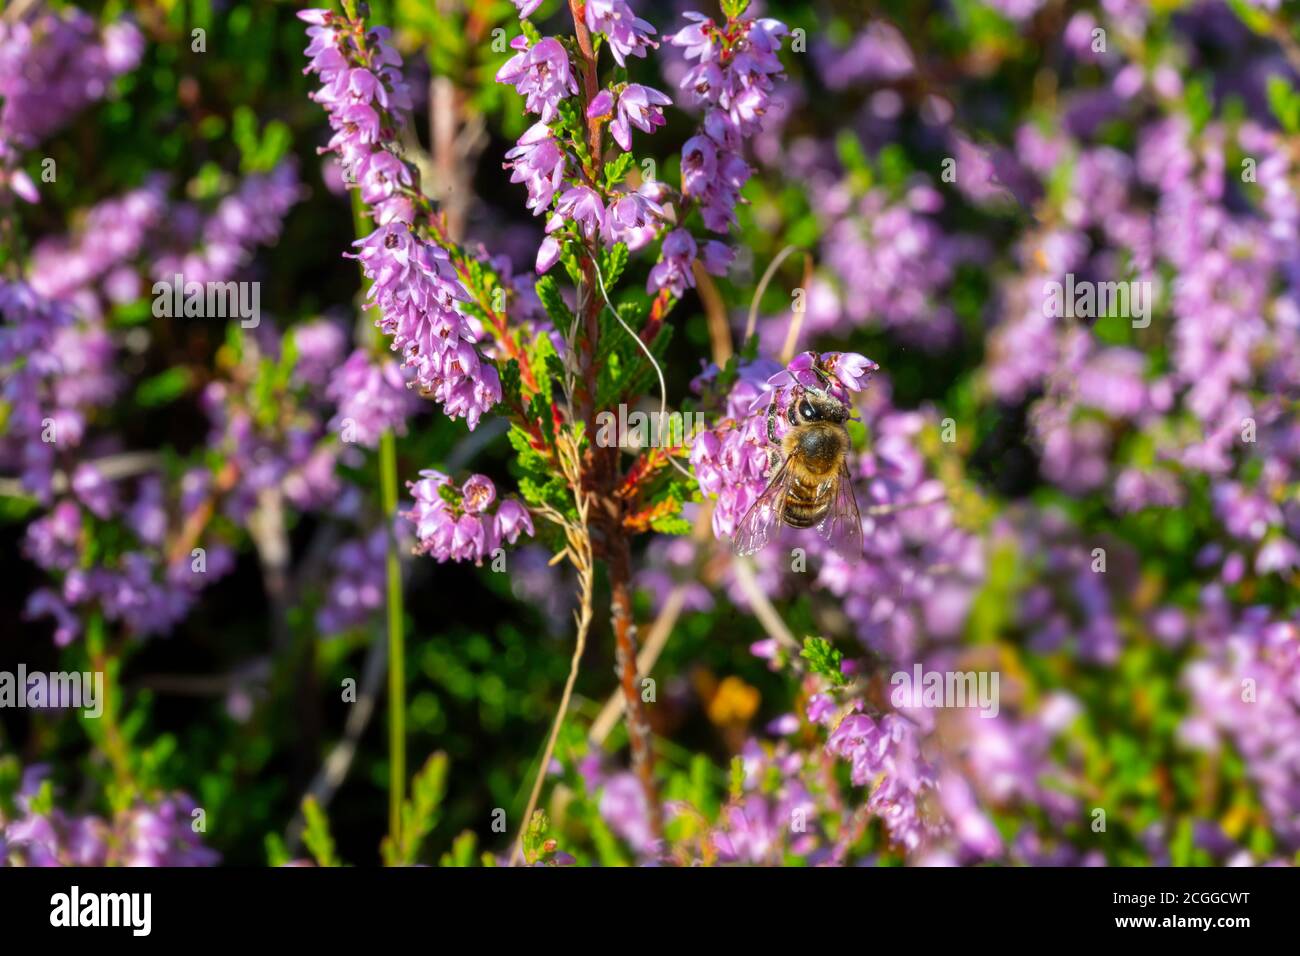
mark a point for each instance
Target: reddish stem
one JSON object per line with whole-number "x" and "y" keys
{"x": 600, "y": 475}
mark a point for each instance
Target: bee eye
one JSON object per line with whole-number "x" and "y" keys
{"x": 807, "y": 411}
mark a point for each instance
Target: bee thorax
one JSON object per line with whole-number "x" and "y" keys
{"x": 818, "y": 449}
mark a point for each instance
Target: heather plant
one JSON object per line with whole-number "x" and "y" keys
{"x": 384, "y": 515}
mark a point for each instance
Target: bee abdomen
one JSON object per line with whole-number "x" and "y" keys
{"x": 806, "y": 505}
{"x": 798, "y": 516}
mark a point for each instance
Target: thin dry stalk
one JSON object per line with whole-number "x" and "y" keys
{"x": 578, "y": 549}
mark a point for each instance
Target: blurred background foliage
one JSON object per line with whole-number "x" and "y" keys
{"x": 486, "y": 659}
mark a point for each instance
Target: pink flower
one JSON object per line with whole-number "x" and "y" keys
{"x": 512, "y": 518}
{"x": 548, "y": 254}
{"x": 639, "y": 106}
{"x": 673, "y": 270}
{"x": 466, "y": 530}
{"x": 582, "y": 204}
{"x": 602, "y": 105}
{"x": 634, "y": 219}
{"x": 540, "y": 74}
{"x": 696, "y": 38}
{"x": 538, "y": 163}
{"x": 479, "y": 493}
{"x": 628, "y": 35}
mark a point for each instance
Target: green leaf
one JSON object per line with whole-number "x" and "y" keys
{"x": 732, "y": 9}
{"x": 572, "y": 266}
{"x": 1200, "y": 104}
{"x": 612, "y": 264}
{"x": 419, "y": 811}
{"x": 537, "y": 847}
{"x": 277, "y": 854}
{"x": 510, "y": 382}
{"x": 462, "y": 851}
{"x": 544, "y": 359}
{"x": 163, "y": 388}
{"x": 1284, "y": 102}
{"x": 823, "y": 659}
{"x": 672, "y": 524}
{"x": 316, "y": 833}
{"x": 616, "y": 170}
{"x": 736, "y": 785}
{"x": 548, "y": 290}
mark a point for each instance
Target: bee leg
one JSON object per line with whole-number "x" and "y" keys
{"x": 771, "y": 423}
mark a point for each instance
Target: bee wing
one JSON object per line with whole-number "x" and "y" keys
{"x": 842, "y": 526}
{"x": 755, "y": 528}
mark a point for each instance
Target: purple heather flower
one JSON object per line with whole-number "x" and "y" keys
{"x": 851, "y": 369}
{"x": 20, "y": 184}
{"x": 699, "y": 165}
{"x": 380, "y": 174}
{"x": 628, "y": 34}
{"x": 888, "y": 752}
{"x": 146, "y": 834}
{"x": 54, "y": 64}
{"x": 737, "y": 94}
{"x": 548, "y": 254}
{"x": 673, "y": 270}
{"x": 696, "y": 39}
{"x": 511, "y": 519}
{"x": 414, "y": 282}
{"x": 541, "y": 74}
{"x": 93, "y": 491}
{"x": 45, "y": 603}
{"x": 527, "y": 7}
{"x": 320, "y": 346}
{"x": 372, "y": 397}
{"x": 635, "y": 217}
{"x": 465, "y": 530}
{"x": 538, "y": 162}
{"x": 878, "y": 54}
{"x": 582, "y": 204}
{"x": 602, "y": 106}
{"x": 717, "y": 257}
{"x": 639, "y": 106}
{"x": 478, "y": 493}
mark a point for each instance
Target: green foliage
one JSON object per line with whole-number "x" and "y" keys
{"x": 1199, "y": 102}
{"x": 732, "y": 9}
{"x": 259, "y": 152}
{"x": 316, "y": 833}
{"x": 548, "y": 290}
{"x": 538, "y": 483}
{"x": 509, "y": 373}
{"x": 420, "y": 812}
{"x": 616, "y": 170}
{"x": 613, "y": 262}
{"x": 1285, "y": 103}
{"x": 462, "y": 850}
{"x": 277, "y": 854}
{"x": 624, "y": 370}
{"x": 824, "y": 660}
{"x": 538, "y": 848}
{"x": 164, "y": 388}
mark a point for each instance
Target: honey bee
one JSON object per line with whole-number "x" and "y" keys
{"x": 810, "y": 486}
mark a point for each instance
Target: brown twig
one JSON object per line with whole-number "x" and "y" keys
{"x": 796, "y": 315}
{"x": 599, "y": 477}
{"x": 763, "y": 609}
{"x": 715, "y": 312}
{"x": 660, "y": 631}
{"x": 111, "y": 467}
{"x": 579, "y": 550}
